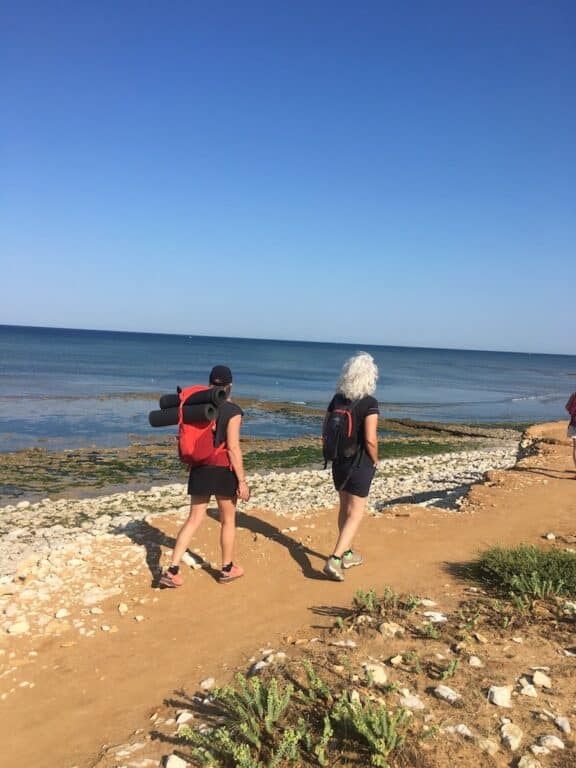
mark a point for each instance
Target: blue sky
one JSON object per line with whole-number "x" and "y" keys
{"x": 377, "y": 172}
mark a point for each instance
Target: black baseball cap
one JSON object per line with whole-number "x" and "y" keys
{"x": 221, "y": 375}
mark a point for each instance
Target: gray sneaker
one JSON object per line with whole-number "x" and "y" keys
{"x": 333, "y": 569}
{"x": 350, "y": 559}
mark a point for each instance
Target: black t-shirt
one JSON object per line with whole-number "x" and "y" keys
{"x": 364, "y": 407}
{"x": 225, "y": 412}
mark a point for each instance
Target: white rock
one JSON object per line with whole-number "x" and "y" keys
{"x": 551, "y": 742}
{"x": 391, "y": 629}
{"x": 488, "y": 745}
{"x": 529, "y": 762}
{"x": 411, "y": 701}
{"x": 541, "y": 680}
{"x": 61, "y": 613}
{"x": 512, "y": 736}
{"x": 173, "y": 761}
{"x": 122, "y": 609}
{"x": 563, "y": 724}
{"x": 344, "y": 643}
{"x": 207, "y": 684}
{"x": 376, "y": 672}
{"x": 500, "y": 695}
{"x": 184, "y": 717}
{"x": 461, "y": 730}
{"x": 447, "y": 694}
{"x": 474, "y": 661}
{"x": 435, "y": 617}
{"x": 18, "y": 627}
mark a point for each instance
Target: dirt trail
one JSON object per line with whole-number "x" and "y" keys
{"x": 91, "y": 692}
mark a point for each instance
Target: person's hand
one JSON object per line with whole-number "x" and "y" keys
{"x": 243, "y": 490}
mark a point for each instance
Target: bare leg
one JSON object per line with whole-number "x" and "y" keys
{"x": 227, "y": 510}
{"x": 343, "y": 510}
{"x": 198, "y": 506}
{"x": 354, "y": 510}
{"x": 574, "y": 452}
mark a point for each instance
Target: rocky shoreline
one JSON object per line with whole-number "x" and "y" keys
{"x": 78, "y": 552}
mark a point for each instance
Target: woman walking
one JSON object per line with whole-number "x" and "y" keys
{"x": 352, "y": 474}
{"x": 227, "y": 483}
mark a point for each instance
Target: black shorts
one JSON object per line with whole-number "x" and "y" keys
{"x": 359, "y": 478}
{"x": 208, "y": 481}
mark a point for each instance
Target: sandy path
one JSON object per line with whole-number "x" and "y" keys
{"x": 90, "y": 692}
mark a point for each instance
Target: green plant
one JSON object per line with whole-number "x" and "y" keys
{"x": 316, "y": 687}
{"x": 365, "y": 601}
{"x": 374, "y": 729}
{"x": 450, "y": 670}
{"x": 529, "y": 571}
{"x": 411, "y": 603}
{"x": 413, "y": 659}
{"x": 250, "y": 727}
{"x": 431, "y": 631}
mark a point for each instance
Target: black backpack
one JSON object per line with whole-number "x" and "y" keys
{"x": 340, "y": 433}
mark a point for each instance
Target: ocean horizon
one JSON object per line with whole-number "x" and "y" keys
{"x": 69, "y": 388}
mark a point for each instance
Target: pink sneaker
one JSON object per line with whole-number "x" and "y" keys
{"x": 235, "y": 572}
{"x": 171, "y": 580}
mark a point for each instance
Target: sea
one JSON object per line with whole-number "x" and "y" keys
{"x": 67, "y": 389}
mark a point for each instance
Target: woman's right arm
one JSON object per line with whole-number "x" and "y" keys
{"x": 235, "y": 455}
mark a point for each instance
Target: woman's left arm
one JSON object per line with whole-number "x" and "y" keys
{"x": 371, "y": 437}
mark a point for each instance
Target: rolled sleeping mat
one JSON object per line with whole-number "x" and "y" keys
{"x": 169, "y": 401}
{"x": 192, "y": 414}
{"x": 215, "y": 395}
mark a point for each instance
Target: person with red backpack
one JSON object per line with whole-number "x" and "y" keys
{"x": 350, "y": 442}
{"x": 217, "y": 470}
{"x": 571, "y": 408}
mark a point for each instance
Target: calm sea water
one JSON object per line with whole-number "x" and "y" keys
{"x": 70, "y": 388}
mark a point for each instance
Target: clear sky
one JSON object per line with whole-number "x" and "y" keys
{"x": 378, "y": 172}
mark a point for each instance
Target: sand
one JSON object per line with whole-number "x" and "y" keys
{"x": 66, "y": 696}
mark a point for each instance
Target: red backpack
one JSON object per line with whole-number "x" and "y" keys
{"x": 196, "y": 441}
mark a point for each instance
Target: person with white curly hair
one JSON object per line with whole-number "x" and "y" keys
{"x": 355, "y": 460}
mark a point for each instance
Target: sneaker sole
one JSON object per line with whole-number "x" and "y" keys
{"x": 229, "y": 579}
{"x": 167, "y": 584}
{"x": 333, "y": 575}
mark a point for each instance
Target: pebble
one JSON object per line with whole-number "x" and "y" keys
{"x": 500, "y": 695}
{"x": 512, "y": 736}
{"x": 551, "y": 742}
{"x": 448, "y": 694}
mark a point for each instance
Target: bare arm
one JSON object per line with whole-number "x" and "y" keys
{"x": 235, "y": 455}
{"x": 371, "y": 437}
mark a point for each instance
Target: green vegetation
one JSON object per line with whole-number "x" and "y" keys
{"x": 38, "y": 472}
{"x": 264, "y": 724}
{"x": 527, "y": 571}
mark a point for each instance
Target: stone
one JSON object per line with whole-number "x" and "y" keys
{"x": 529, "y": 762}
{"x": 61, "y": 613}
{"x": 563, "y": 724}
{"x": 122, "y": 609}
{"x": 447, "y": 694}
{"x": 500, "y": 695}
{"x": 435, "y": 617}
{"x": 184, "y": 717}
{"x": 18, "y": 627}
{"x": 512, "y": 736}
{"x": 411, "y": 701}
{"x": 551, "y": 742}
{"x": 488, "y": 745}
{"x": 391, "y": 629}
{"x": 541, "y": 680}
{"x": 173, "y": 761}
{"x": 474, "y": 661}
{"x": 376, "y": 673}
{"x": 207, "y": 684}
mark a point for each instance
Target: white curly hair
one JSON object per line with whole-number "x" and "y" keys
{"x": 359, "y": 376}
